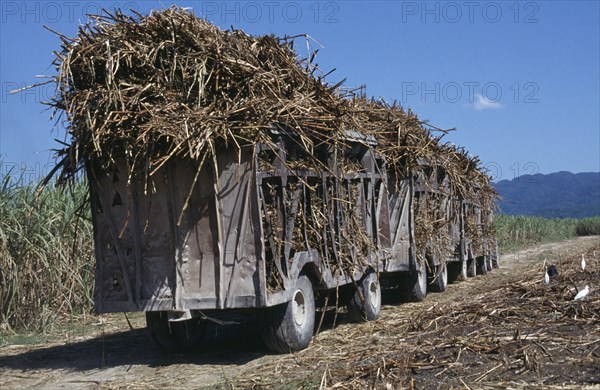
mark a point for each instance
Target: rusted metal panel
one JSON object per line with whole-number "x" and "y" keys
{"x": 123, "y": 239}
{"x": 400, "y": 200}
{"x": 162, "y": 243}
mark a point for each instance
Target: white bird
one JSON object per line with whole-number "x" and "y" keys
{"x": 581, "y": 294}
{"x": 546, "y": 276}
{"x": 582, "y": 262}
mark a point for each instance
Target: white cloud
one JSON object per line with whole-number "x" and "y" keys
{"x": 483, "y": 103}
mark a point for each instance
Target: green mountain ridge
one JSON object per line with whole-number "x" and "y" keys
{"x": 555, "y": 195}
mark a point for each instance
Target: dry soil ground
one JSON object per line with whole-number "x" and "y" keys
{"x": 502, "y": 330}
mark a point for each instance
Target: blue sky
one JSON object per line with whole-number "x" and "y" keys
{"x": 519, "y": 80}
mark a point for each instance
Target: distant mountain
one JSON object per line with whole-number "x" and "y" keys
{"x": 556, "y": 195}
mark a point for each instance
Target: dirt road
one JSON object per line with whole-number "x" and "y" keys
{"x": 504, "y": 329}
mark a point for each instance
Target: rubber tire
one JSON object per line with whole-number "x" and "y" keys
{"x": 440, "y": 283}
{"x": 457, "y": 271}
{"x": 360, "y": 310}
{"x": 471, "y": 268}
{"x": 415, "y": 284}
{"x": 488, "y": 262}
{"x": 280, "y": 331}
{"x": 175, "y": 337}
{"x": 481, "y": 266}
{"x": 496, "y": 257}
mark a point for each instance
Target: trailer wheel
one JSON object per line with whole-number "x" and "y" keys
{"x": 488, "y": 262}
{"x": 414, "y": 284}
{"x": 366, "y": 309}
{"x": 289, "y": 327}
{"x": 495, "y": 257}
{"x": 175, "y": 337}
{"x": 438, "y": 277}
{"x": 471, "y": 267}
{"x": 481, "y": 265}
{"x": 457, "y": 270}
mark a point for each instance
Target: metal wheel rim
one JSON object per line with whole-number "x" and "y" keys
{"x": 374, "y": 293}
{"x": 299, "y": 308}
{"x": 422, "y": 278}
{"x": 444, "y": 274}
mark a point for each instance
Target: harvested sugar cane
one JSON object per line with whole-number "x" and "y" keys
{"x": 169, "y": 85}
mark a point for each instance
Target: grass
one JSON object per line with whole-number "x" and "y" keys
{"x": 22, "y": 338}
{"x": 46, "y": 254}
{"x": 515, "y": 232}
{"x": 588, "y": 227}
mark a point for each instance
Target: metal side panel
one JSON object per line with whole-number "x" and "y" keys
{"x": 184, "y": 239}
{"x": 216, "y": 257}
{"x": 240, "y": 282}
{"x": 400, "y": 203}
{"x": 134, "y": 258}
{"x": 192, "y": 221}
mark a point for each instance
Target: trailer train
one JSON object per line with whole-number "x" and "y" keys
{"x": 257, "y": 228}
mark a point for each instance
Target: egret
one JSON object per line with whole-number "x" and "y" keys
{"x": 581, "y": 294}
{"x": 582, "y": 262}
{"x": 546, "y": 276}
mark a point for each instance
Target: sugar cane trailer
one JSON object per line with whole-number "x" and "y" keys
{"x": 258, "y": 228}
